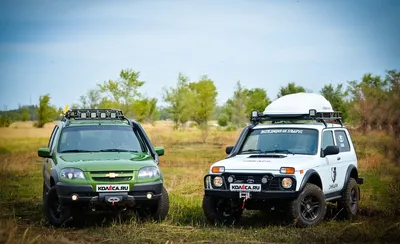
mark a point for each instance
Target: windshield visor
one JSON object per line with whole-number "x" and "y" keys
{"x": 282, "y": 140}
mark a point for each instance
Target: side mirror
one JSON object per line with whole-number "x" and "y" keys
{"x": 228, "y": 149}
{"x": 331, "y": 150}
{"x": 44, "y": 152}
{"x": 159, "y": 150}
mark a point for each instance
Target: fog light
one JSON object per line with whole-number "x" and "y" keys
{"x": 218, "y": 181}
{"x": 149, "y": 195}
{"x": 74, "y": 197}
{"x": 264, "y": 180}
{"x": 287, "y": 183}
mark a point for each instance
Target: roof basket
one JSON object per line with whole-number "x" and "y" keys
{"x": 257, "y": 117}
{"x": 94, "y": 114}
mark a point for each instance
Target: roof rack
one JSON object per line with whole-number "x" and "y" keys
{"x": 257, "y": 117}
{"x": 93, "y": 114}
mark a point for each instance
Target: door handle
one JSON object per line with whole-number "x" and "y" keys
{"x": 338, "y": 158}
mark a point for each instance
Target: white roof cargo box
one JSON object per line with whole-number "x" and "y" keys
{"x": 298, "y": 104}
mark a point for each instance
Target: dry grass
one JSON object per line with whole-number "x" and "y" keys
{"x": 184, "y": 164}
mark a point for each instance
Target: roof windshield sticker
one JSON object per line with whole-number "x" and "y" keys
{"x": 287, "y": 131}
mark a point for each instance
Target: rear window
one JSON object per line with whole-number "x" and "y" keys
{"x": 99, "y": 138}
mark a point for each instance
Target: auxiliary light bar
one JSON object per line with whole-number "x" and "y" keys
{"x": 97, "y": 114}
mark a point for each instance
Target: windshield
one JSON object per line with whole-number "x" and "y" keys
{"x": 98, "y": 138}
{"x": 282, "y": 140}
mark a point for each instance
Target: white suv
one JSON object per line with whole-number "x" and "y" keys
{"x": 297, "y": 162}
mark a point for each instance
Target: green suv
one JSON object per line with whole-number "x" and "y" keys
{"x": 97, "y": 159}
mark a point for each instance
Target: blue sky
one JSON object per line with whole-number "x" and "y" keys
{"x": 66, "y": 47}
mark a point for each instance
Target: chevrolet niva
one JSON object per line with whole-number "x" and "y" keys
{"x": 97, "y": 159}
{"x": 295, "y": 156}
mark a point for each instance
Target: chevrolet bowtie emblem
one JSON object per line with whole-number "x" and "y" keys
{"x": 111, "y": 175}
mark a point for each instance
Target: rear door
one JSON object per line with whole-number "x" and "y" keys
{"x": 345, "y": 156}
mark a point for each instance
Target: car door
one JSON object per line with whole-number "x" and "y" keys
{"x": 328, "y": 170}
{"x": 345, "y": 156}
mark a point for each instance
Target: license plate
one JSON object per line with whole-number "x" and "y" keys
{"x": 245, "y": 187}
{"x": 112, "y": 188}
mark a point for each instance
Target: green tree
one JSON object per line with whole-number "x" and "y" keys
{"x": 123, "y": 92}
{"x": 205, "y": 94}
{"x": 368, "y": 98}
{"x": 257, "y": 100}
{"x": 25, "y": 115}
{"x": 291, "y": 88}
{"x": 91, "y": 100}
{"x": 337, "y": 97}
{"x": 46, "y": 113}
{"x": 179, "y": 101}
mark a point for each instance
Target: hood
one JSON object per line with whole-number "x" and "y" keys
{"x": 106, "y": 161}
{"x": 270, "y": 162}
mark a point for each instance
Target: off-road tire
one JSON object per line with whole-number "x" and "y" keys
{"x": 311, "y": 198}
{"x": 214, "y": 216}
{"x": 51, "y": 201}
{"x": 44, "y": 196}
{"x": 162, "y": 207}
{"x": 348, "y": 204}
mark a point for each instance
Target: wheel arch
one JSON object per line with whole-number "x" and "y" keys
{"x": 311, "y": 176}
{"x": 351, "y": 172}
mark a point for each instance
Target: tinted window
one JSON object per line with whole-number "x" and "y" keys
{"x": 341, "y": 141}
{"x": 98, "y": 138}
{"x": 299, "y": 141}
{"x": 327, "y": 139}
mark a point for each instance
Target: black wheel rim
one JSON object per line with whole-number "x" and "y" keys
{"x": 353, "y": 199}
{"x": 55, "y": 208}
{"x": 310, "y": 207}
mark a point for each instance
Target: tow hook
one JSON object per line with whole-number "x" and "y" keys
{"x": 245, "y": 196}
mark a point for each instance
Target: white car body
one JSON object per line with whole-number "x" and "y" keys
{"x": 332, "y": 169}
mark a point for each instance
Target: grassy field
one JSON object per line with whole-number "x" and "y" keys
{"x": 186, "y": 161}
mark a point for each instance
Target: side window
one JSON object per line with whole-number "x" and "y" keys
{"x": 53, "y": 135}
{"x": 327, "y": 139}
{"x": 342, "y": 141}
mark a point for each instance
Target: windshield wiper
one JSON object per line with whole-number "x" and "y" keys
{"x": 75, "y": 150}
{"x": 117, "y": 150}
{"x": 279, "y": 151}
{"x": 252, "y": 151}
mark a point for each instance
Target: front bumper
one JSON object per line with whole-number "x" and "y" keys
{"x": 270, "y": 195}
{"x": 86, "y": 194}
{"x": 272, "y": 190}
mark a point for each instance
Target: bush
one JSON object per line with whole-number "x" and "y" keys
{"x": 223, "y": 120}
{"x": 5, "y": 121}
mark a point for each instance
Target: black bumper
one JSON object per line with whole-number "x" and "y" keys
{"x": 86, "y": 193}
{"x": 253, "y": 195}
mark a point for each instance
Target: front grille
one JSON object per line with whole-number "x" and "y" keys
{"x": 108, "y": 179}
{"x": 119, "y": 176}
{"x": 273, "y": 183}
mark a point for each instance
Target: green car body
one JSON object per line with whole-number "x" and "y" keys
{"x": 101, "y": 163}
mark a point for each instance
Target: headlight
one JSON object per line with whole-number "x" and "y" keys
{"x": 148, "y": 172}
{"x": 71, "y": 173}
{"x": 286, "y": 183}
{"x": 218, "y": 182}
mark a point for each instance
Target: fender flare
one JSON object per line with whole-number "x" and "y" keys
{"x": 307, "y": 176}
{"x": 348, "y": 172}
{"x": 54, "y": 175}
